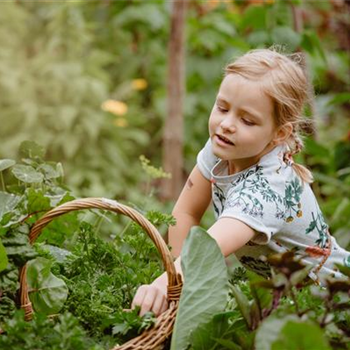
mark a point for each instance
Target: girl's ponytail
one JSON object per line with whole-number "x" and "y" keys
{"x": 304, "y": 173}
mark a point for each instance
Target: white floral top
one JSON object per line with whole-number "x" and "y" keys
{"x": 270, "y": 198}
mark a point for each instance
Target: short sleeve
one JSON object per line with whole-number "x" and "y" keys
{"x": 206, "y": 160}
{"x": 254, "y": 209}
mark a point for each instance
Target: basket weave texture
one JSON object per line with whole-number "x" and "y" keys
{"x": 151, "y": 339}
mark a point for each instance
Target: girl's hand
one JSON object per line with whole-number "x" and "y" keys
{"x": 151, "y": 297}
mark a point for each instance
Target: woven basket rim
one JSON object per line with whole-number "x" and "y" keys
{"x": 163, "y": 328}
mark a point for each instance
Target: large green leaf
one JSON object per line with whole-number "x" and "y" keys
{"x": 57, "y": 253}
{"x": 27, "y": 174}
{"x": 7, "y": 203}
{"x": 243, "y": 304}
{"x": 6, "y": 163}
{"x": 50, "y": 171}
{"x": 3, "y": 257}
{"x": 205, "y": 289}
{"x": 262, "y": 296}
{"x": 47, "y": 292}
{"x": 301, "y": 336}
{"x": 220, "y": 326}
{"x": 37, "y": 201}
{"x": 269, "y": 331}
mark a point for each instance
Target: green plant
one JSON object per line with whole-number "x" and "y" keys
{"x": 274, "y": 314}
{"x": 61, "y": 333}
{"x": 71, "y": 270}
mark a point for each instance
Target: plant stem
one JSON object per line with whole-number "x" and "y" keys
{"x": 126, "y": 227}
{"x": 2, "y": 182}
{"x": 295, "y": 302}
{"x": 99, "y": 223}
{"x": 277, "y": 294}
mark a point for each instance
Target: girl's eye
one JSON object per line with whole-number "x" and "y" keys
{"x": 248, "y": 122}
{"x": 221, "y": 109}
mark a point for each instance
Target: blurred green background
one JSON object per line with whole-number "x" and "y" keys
{"x": 88, "y": 81}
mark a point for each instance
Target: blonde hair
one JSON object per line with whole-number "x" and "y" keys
{"x": 283, "y": 80}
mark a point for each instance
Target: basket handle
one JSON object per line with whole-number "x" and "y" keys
{"x": 174, "y": 279}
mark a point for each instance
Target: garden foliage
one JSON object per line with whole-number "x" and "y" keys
{"x": 84, "y": 282}
{"x": 76, "y": 56}
{"x": 288, "y": 311}
{"x": 88, "y": 80}
{"x": 72, "y": 271}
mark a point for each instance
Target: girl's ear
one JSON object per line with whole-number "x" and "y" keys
{"x": 283, "y": 133}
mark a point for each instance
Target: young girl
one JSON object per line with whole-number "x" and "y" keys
{"x": 262, "y": 200}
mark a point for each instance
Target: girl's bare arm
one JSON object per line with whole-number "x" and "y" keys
{"x": 230, "y": 234}
{"x": 189, "y": 209}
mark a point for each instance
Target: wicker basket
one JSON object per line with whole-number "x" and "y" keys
{"x": 148, "y": 340}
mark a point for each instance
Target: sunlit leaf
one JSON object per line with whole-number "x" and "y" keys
{"x": 27, "y": 174}
{"x": 47, "y": 292}
{"x": 7, "y": 203}
{"x": 206, "y": 285}
{"x": 3, "y": 257}
{"x": 6, "y": 163}
{"x": 49, "y": 171}
{"x": 59, "y": 254}
{"x": 243, "y": 304}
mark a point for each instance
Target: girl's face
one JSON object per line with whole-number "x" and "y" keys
{"x": 241, "y": 124}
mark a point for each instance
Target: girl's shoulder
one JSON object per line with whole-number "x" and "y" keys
{"x": 206, "y": 160}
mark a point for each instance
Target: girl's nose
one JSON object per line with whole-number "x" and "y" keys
{"x": 228, "y": 125}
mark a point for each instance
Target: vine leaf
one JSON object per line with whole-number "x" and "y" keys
{"x": 47, "y": 292}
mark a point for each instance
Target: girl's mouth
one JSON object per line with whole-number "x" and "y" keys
{"x": 224, "y": 140}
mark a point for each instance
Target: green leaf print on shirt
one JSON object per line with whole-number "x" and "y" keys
{"x": 220, "y": 195}
{"x": 293, "y": 192}
{"x": 241, "y": 191}
{"x": 347, "y": 261}
{"x": 254, "y": 181}
{"x": 318, "y": 223}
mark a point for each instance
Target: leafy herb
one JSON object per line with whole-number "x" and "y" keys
{"x": 71, "y": 270}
